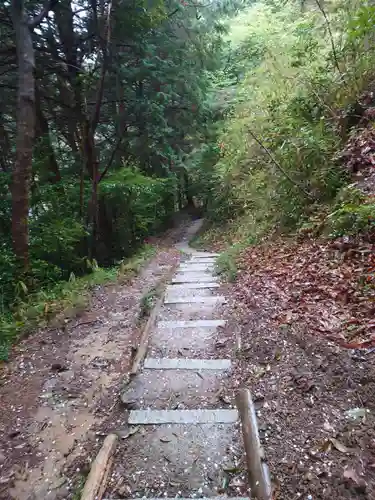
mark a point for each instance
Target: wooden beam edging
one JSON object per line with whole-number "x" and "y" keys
{"x": 143, "y": 342}
{"x": 258, "y": 472}
{"x": 96, "y": 481}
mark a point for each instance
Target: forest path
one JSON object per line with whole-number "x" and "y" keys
{"x": 185, "y": 437}
{"x": 60, "y": 390}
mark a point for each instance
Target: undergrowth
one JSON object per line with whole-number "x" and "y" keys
{"x": 148, "y": 301}
{"x": 59, "y": 302}
{"x": 300, "y": 77}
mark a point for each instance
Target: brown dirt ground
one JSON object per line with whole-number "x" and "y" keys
{"x": 60, "y": 391}
{"x": 303, "y": 385}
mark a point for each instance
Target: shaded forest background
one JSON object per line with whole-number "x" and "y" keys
{"x": 101, "y": 101}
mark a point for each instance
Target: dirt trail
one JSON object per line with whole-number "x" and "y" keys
{"x": 62, "y": 387}
{"x": 182, "y": 437}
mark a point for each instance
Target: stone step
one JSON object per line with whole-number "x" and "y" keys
{"x": 204, "y": 255}
{"x": 191, "y": 266}
{"x": 182, "y": 291}
{"x": 191, "y": 286}
{"x": 218, "y": 299}
{"x": 199, "y": 323}
{"x": 221, "y": 497}
{"x": 148, "y": 417}
{"x": 186, "y": 364}
{"x": 193, "y": 277}
{"x": 199, "y": 262}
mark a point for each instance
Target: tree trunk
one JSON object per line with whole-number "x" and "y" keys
{"x": 25, "y": 135}
{"x": 42, "y": 128}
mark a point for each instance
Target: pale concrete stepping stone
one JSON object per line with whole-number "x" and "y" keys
{"x": 187, "y": 364}
{"x": 196, "y": 267}
{"x": 191, "y": 286}
{"x": 194, "y": 278}
{"x": 205, "y": 255}
{"x": 221, "y": 497}
{"x": 147, "y": 417}
{"x": 182, "y": 291}
{"x": 203, "y": 323}
{"x": 175, "y": 389}
{"x": 201, "y": 260}
{"x": 218, "y": 299}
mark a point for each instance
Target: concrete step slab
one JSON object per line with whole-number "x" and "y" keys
{"x": 204, "y": 255}
{"x": 192, "y": 286}
{"x": 178, "y": 291}
{"x": 191, "y": 267}
{"x": 221, "y": 497}
{"x": 201, "y": 260}
{"x": 203, "y": 323}
{"x": 175, "y": 389}
{"x": 206, "y": 416}
{"x": 194, "y": 278}
{"x": 186, "y": 364}
{"x": 217, "y": 299}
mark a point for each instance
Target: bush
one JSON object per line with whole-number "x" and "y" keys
{"x": 279, "y": 145}
{"x": 132, "y": 207}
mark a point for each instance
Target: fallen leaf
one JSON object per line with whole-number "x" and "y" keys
{"x": 232, "y": 470}
{"x": 126, "y": 433}
{"x": 225, "y": 399}
{"x": 340, "y": 446}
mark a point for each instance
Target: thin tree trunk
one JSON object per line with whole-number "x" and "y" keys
{"x": 43, "y": 133}
{"x": 25, "y": 136}
{"x": 25, "y": 128}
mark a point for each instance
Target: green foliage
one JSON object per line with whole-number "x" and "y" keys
{"x": 354, "y": 213}
{"x": 134, "y": 207}
{"x": 292, "y": 91}
{"x": 226, "y": 264}
{"x": 134, "y": 116}
{"x": 352, "y": 219}
{"x": 57, "y": 302}
{"x": 147, "y": 302}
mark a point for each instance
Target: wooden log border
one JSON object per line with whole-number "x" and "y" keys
{"x": 258, "y": 472}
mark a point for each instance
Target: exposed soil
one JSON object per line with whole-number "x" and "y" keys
{"x": 315, "y": 399}
{"x": 61, "y": 388}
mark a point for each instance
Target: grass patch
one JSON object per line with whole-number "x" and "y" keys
{"x": 148, "y": 301}
{"x": 65, "y": 299}
{"x": 80, "y": 484}
{"x": 226, "y": 264}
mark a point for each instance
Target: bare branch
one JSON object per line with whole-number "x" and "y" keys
{"x": 330, "y": 36}
{"x": 33, "y": 23}
{"x": 277, "y": 164}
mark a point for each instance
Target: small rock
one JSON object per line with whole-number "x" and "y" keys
{"x": 220, "y": 343}
{"x": 58, "y": 367}
{"x": 2, "y": 457}
{"x": 14, "y": 434}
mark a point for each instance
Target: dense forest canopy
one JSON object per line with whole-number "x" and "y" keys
{"x": 100, "y": 103}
